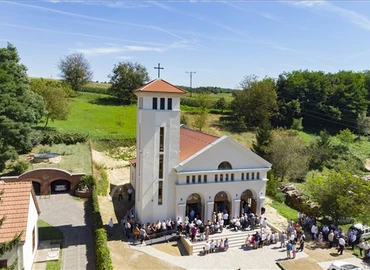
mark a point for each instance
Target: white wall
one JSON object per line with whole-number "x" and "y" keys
{"x": 28, "y": 253}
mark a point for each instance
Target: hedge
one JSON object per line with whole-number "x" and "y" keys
{"x": 102, "y": 255}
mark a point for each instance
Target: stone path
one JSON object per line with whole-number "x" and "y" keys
{"x": 72, "y": 217}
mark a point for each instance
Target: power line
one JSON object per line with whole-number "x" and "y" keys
{"x": 191, "y": 77}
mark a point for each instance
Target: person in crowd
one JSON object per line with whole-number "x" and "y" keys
{"x": 331, "y": 238}
{"x": 288, "y": 250}
{"x": 294, "y": 249}
{"x": 226, "y": 243}
{"x": 301, "y": 242}
{"x": 212, "y": 246}
{"x": 206, "y": 248}
{"x": 342, "y": 243}
{"x": 282, "y": 240}
{"x": 361, "y": 246}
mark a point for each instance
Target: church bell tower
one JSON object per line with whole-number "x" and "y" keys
{"x": 157, "y": 149}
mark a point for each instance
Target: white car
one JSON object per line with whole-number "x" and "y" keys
{"x": 342, "y": 265}
{"x": 60, "y": 187}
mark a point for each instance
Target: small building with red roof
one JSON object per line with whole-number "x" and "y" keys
{"x": 181, "y": 172}
{"x": 21, "y": 211}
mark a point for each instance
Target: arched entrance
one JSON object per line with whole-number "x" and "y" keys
{"x": 60, "y": 186}
{"x": 248, "y": 203}
{"x": 222, "y": 203}
{"x": 36, "y": 188}
{"x": 194, "y": 207}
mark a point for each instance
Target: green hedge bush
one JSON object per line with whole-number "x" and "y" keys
{"x": 102, "y": 255}
{"x": 53, "y": 137}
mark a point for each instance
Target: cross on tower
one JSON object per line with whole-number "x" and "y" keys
{"x": 159, "y": 69}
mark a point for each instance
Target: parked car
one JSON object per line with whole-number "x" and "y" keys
{"x": 342, "y": 265}
{"x": 60, "y": 187}
{"x": 362, "y": 229}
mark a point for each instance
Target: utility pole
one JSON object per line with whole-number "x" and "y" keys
{"x": 191, "y": 80}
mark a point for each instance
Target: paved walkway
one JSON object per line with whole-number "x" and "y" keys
{"x": 235, "y": 258}
{"x": 73, "y": 218}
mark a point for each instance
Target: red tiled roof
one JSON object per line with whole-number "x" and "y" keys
{"x": 160, "y": 86}
{"x": 192, "y": 141}
{"x": 14, "y": 206}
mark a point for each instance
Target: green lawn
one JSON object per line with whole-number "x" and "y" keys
{"x": 100, "y": 117}
{"x": 48, "y": 232}
{"x": 75, "y": 158}
{"x": 285, "y": 210}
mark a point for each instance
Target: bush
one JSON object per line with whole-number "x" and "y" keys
{"x": 297, "y": 124}
{"x": 86, "y": 181}
{"x": 18, "y": 167}
{"x": 102, "y": 182}
{"x": 102, "y": 255}
{"x": 53, "y": 137}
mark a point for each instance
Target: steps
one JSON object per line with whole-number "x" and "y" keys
{"x": 236, "y": 239}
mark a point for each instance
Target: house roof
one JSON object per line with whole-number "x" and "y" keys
{"x": 192, "y": 141}
{"x": 160, "y": 86}
{"x": 14, "y": 206}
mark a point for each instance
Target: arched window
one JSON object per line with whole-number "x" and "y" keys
{"x": 225, "y": 165}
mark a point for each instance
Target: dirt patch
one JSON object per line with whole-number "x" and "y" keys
{"x": 170, "y": 248}
{"x": 316, "y": 254}
{"x": 367, "y": 164}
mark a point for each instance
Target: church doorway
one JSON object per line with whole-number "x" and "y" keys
{"x": 222, "y": 203}
{"x": 248, "y": 203}
{"x": 194, "y": 207}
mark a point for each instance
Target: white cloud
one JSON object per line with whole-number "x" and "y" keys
{"x": 125, "y": 57}
{"x": 348, "y": 15}
{"x": 97, "y": 51}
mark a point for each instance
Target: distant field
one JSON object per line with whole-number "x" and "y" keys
{"x": 98, "y": 116}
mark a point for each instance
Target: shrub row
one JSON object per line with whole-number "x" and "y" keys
{"x": 102, "y": 254}
{"x": 53, "y": 137}
{"x": 102, "y": 183}
{"x": 94, "y": 89}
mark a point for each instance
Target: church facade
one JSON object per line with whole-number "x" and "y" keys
{"x": 180, "y": 172}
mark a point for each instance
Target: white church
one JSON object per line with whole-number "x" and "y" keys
{"x": 178, "y": 169}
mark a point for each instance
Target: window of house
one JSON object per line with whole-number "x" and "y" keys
{"x": 242, "y": 176}
{"x": 187, "y": 179}
{"x": 3, "y": 264}
{"x": 193, "y": 179}
{"x": 160, "y": 192}
{"x": 161, "y": 139}
{"x": 155, "y": 103}
{"x": 216, "y": 178}
{"x": 253, "y": 175}
{"x": 33, "y": 239}
{"x": 225, "y": 165}
{"x": 162, "y": 103}
{"x": 141, "y": 102}
{"x": 160, "y": 171}
{"x": 199, "y": 179}
{"x": 205, "y": 178}
{"x": 258, "y": 175}
{"x": 248, "y": 176}
{"x": 227, "y": 177}
{"x": 232, "y": 177}
{"x": 221, "y": 177}
{"x": 169, "y": 104}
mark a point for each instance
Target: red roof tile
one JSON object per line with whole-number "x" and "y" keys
{"x": 160, "y": 86}
{"x": 14, "y": 206}
{"x": 192, "y": 141}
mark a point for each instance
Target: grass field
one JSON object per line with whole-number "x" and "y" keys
{"x": 284, "y": 210}
{"x": 75, "y": 158}
{"x": 100, "y": 117}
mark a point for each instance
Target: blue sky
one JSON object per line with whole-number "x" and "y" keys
{"x": 222, "y": 41}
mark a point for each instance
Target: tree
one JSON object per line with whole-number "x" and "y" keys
{"x": 256, "y": 103}
{"x": 289, "y": 156}
{"x": 221, "y": 104}
{"x": 76, "y": 70}
{"x": 363, "y": 124}
{"x": 346, "y": 136}
{"x": 55, "y": 95}
{"x": 341, "y": 195}
{"x": 125, "y": 78}
{"x": 20, "y": 108}
{"x": 263, "y": 139}
{"x": 204, "y": 103}
{"x": 321, "y": 150}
